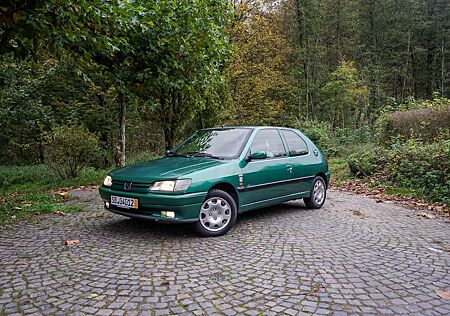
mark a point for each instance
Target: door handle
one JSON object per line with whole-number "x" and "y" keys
{"x": 289, "y": 168}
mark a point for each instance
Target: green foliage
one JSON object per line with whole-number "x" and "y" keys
{"x": 36, "y": 96}
{"x": 41, "y": 177}
{"x": 344, "y": 96}
{"x": 428, "y": 121}
{"x": 13, "y": 175}
{"x": 368, "y": 163}
{"x": 143, "y": 156}
{"x": 70, "y": 149}
{"x": 336, "y": 142}
{"x": 320, "y": 133}
{"x": 412, "y": 164}
{"x": 261, "y": 88}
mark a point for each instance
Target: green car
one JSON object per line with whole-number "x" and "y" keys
{"x": 218, "y": 173}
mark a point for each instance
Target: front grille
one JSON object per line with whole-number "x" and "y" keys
{"x": 136, "y": 187}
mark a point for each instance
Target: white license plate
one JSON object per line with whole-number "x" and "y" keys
{"x": 124, "y": 202}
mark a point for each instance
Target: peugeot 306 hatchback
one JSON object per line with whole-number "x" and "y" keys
{"x": 217, "y": 173}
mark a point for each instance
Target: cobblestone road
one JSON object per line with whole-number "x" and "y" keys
{"x": 353, "y": 256}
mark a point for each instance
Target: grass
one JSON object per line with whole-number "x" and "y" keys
{"x": 339, "y": 170}
{"x": 26, "y": 191}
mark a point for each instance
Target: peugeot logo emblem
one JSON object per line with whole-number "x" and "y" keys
{"x": 127, "y": 186}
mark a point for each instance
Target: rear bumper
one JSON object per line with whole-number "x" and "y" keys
{"x": 186, "y": 206}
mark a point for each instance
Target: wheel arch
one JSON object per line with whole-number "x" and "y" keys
{"x": 324, "y": 177}
{"x": 229, "y": 188}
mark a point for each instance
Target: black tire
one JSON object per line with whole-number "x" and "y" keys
{"x": 219, "y": 197}
{"x": 311, "y": 201}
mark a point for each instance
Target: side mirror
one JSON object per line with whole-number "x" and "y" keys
{"x": 257, "y": 155}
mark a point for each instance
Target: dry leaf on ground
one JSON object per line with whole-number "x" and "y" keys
{"x": 71, "y": 242}
{"x": 59, "y": 213}
{"x": 425, "y": 215}
{"x": 443, "y": 294}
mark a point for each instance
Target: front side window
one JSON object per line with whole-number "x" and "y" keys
{"x": 268, "y": 140}
{"x": 217, "y": 143}
{"x": 296, "y": 145}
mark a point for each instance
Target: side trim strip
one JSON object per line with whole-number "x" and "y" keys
{"x": 269, "y": 184}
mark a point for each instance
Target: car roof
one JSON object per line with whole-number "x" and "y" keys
{"x": 247, "y": 126}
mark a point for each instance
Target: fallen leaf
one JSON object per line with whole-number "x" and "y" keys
{"x": 145, "y": 279}
{"x": 2, "y": 201}
{"x": 434, "y": 249}
{"x": 17, "y": 208}
{"x": 92, "y": 296}
{"x": 71, "y": 242}
{"x": 59, "y": 213}
{"x": 66, "y": 193}
{"x": 443, "y": 294}
{"x": 425, "y": 215}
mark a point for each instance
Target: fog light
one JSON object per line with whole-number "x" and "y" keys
{"x": 168, "y": 214}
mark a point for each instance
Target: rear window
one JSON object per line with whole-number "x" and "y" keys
{"x": 296, "y": 145}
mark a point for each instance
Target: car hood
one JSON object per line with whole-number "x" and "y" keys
{"x": 167, "y": 168}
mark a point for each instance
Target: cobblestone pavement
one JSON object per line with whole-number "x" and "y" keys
{"x": 353, "y": 256}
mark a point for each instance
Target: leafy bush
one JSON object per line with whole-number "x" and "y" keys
{"x": 337, "y": 142}
{"x": 412, "y": 164}
{"x": 70, "y": 149}
{"x": 427, "y": 123}
{"x": 368, "y": 163}
{"x": 142, "y": 157}
{"x": 319, "y": 132}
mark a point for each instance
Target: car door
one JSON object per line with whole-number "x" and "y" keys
{"x": 300, "y": 160}
{"x": 265, "y": 180}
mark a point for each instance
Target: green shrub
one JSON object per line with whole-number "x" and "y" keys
{"x": 142, "y": 157}
{"x": 424, "y": 167}
{"x": 368, "y": 163}
{"x": 339, "y": 142}
{"x": 70, "y": 149}
{"x": 429, "y": 124}
{"x": 319, "y": 132}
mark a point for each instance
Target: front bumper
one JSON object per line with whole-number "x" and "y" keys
{"x": 186, "y": 206}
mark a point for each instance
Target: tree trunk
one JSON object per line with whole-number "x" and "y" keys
{"x": 430, "y": 50}
{"x": 301, "y": 31}
{"x": 442, "y": 69}
{"x": 121, "y": 123}
{"x": 414, "y": 75}
{"x": 405, "y": 73}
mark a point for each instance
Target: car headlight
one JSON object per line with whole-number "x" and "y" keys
{"x": 107, "y": 182}
{"x": 171, "y": 186}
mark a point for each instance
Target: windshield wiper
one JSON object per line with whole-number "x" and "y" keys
{"x": 203, "y": 154}
{"x": 174, "y": 154}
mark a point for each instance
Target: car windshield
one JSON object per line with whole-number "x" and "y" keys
{"x": 214, "y": 143}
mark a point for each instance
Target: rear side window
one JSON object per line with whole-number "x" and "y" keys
{"x": 296, "y": 145}
{"x": 268, "y": 140}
